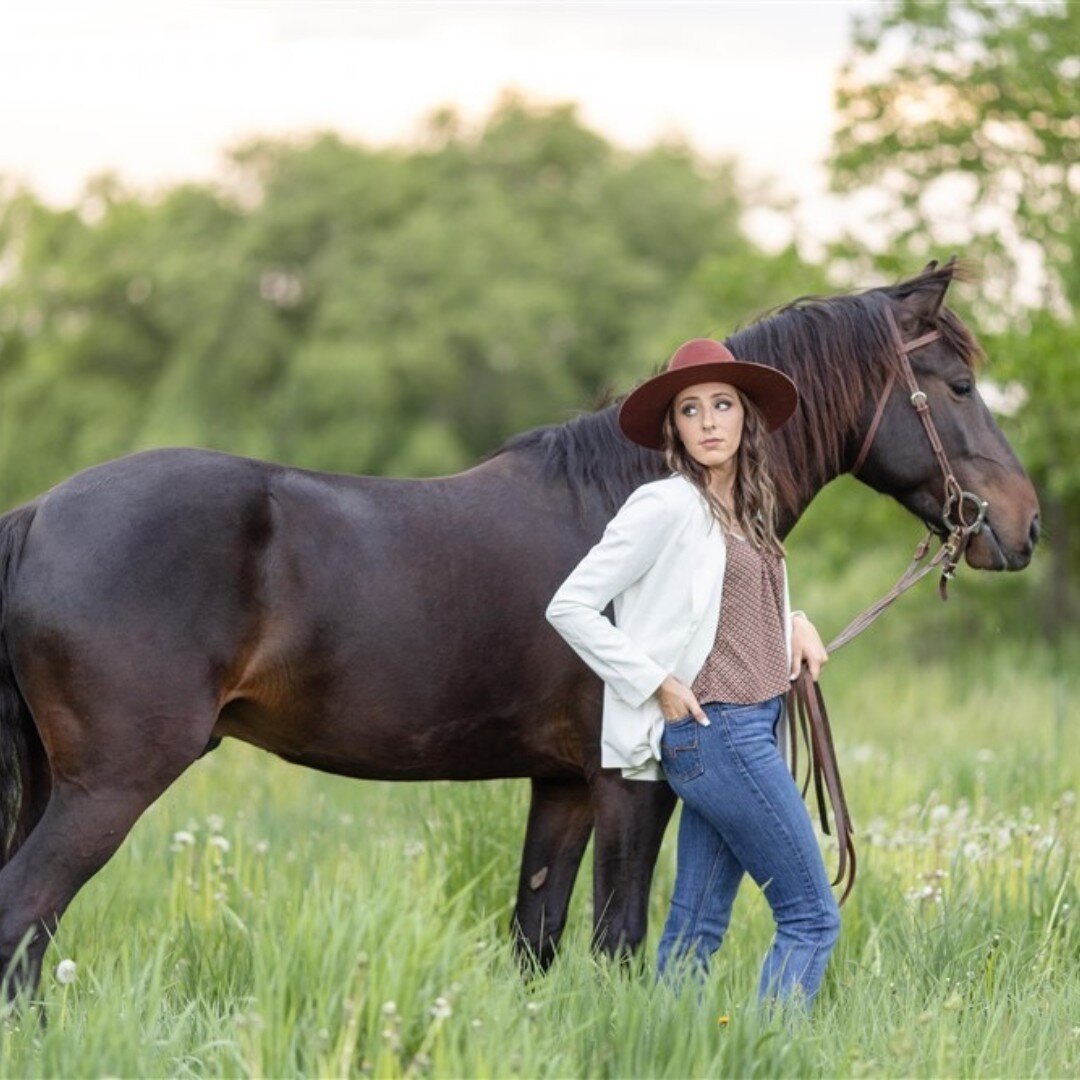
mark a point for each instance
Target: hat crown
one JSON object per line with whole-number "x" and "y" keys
{"x": 700, "y": 351}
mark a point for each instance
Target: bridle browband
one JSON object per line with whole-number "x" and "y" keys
{"x": 805, "y": 700}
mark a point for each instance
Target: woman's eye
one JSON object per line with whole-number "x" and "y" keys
{"x": 723, "y": 404}
{"x": 963, "y": 388}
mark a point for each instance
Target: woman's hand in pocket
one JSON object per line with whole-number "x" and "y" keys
{"x": 677, "y": 700}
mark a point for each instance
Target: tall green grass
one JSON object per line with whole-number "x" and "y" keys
{"x": 266, "y": 920}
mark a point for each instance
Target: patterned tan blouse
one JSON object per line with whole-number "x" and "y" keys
{"x": 748, "y": 660}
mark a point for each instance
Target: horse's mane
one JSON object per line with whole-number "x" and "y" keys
{"x": 590, "y": 455}
{"x": 832, "y": 346}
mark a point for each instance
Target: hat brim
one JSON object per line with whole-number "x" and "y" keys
{"x": 641, "y": 413}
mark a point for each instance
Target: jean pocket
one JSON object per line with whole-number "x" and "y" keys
{"x": 680, "y": 750}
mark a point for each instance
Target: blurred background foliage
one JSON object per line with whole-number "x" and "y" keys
{"x": 401, "y": 311}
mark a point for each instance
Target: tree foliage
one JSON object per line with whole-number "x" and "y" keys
{"x": 961, "y": 115}
{"x": 391, "y": 311}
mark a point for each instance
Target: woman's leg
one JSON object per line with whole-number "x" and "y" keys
{"x": 732, "y": 774}
{"x": 707, "y": 878}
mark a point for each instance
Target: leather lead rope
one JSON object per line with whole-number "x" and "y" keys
{"x": 806, "y": 705}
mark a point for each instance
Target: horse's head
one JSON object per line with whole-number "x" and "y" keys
{"x": 900, "y": 460}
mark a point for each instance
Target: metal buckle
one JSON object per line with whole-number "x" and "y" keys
{"x": 918, "y": 399}
{"x": 981, "y": 507}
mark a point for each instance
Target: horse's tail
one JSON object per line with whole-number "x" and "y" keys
{"x": 22, "y": 756}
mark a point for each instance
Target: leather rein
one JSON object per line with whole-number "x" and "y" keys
{"x": 805, "y": 702}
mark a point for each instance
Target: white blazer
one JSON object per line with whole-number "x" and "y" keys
{"x": 660, "y": 562}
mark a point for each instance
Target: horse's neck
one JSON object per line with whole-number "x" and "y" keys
{"x": 806, "y": 484}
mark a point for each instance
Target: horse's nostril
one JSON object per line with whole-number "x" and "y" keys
{"x": 1033, "y": 532}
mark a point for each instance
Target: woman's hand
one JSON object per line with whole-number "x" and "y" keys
{"x": 677, "y": 699}
{"x": 806, "y": 645}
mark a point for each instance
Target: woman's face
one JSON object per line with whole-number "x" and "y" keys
{"x": 709, "y": 419}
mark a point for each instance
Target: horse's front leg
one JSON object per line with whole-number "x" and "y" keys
{"x": 560, "y": 820}
{"x": 629, "y": 817}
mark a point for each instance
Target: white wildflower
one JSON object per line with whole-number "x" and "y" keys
{"x": 66, "y": 972}
{"x": 183, "y": 838}
{"x": 220, "y": 843}
{"x": 441, "y": 1009}
{"x": 215, "y": 823}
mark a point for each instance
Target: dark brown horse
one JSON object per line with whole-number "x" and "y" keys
{"x": 394, "y": 629}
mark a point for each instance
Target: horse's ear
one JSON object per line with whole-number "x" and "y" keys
{"x": 921, "y": 297}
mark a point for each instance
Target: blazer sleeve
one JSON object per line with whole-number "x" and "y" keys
{"x": 627, "y": 548}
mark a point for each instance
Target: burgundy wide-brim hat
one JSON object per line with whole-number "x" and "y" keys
{"x": 700, "y": 360}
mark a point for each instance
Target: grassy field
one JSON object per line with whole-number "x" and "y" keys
{"x": 267, "y": 920}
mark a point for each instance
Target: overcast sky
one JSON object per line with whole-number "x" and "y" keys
{"x": 154, "y": 90}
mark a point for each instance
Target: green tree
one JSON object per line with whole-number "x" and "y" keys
{"x": 394, "y": 310}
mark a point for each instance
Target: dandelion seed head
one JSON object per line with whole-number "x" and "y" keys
{"x": 66, "y": 971}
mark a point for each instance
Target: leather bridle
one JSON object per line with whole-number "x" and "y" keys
{"x": 955, "y": 496}
{"x": 805, "y": 701}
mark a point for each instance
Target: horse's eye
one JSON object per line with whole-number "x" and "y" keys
{"x": 963, "y": 388}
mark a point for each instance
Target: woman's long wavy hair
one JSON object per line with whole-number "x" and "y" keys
{"x": 754, "y": 495}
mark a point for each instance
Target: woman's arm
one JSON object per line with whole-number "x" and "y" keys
{"x": 806, "y": 645}
{"x": 628, "y": 547}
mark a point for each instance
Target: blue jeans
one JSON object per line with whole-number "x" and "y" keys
{"x": 742, "y": 811}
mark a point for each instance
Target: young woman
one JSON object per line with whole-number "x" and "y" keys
{"x": 702, "y": 651}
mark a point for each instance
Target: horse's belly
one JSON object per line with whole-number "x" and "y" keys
{"x": 400, "y": 750}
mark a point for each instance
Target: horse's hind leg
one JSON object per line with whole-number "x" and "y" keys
{"x": 630, "y": 819}
{"x": 560, "y": 820}
{"x": 97, "y": 796}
